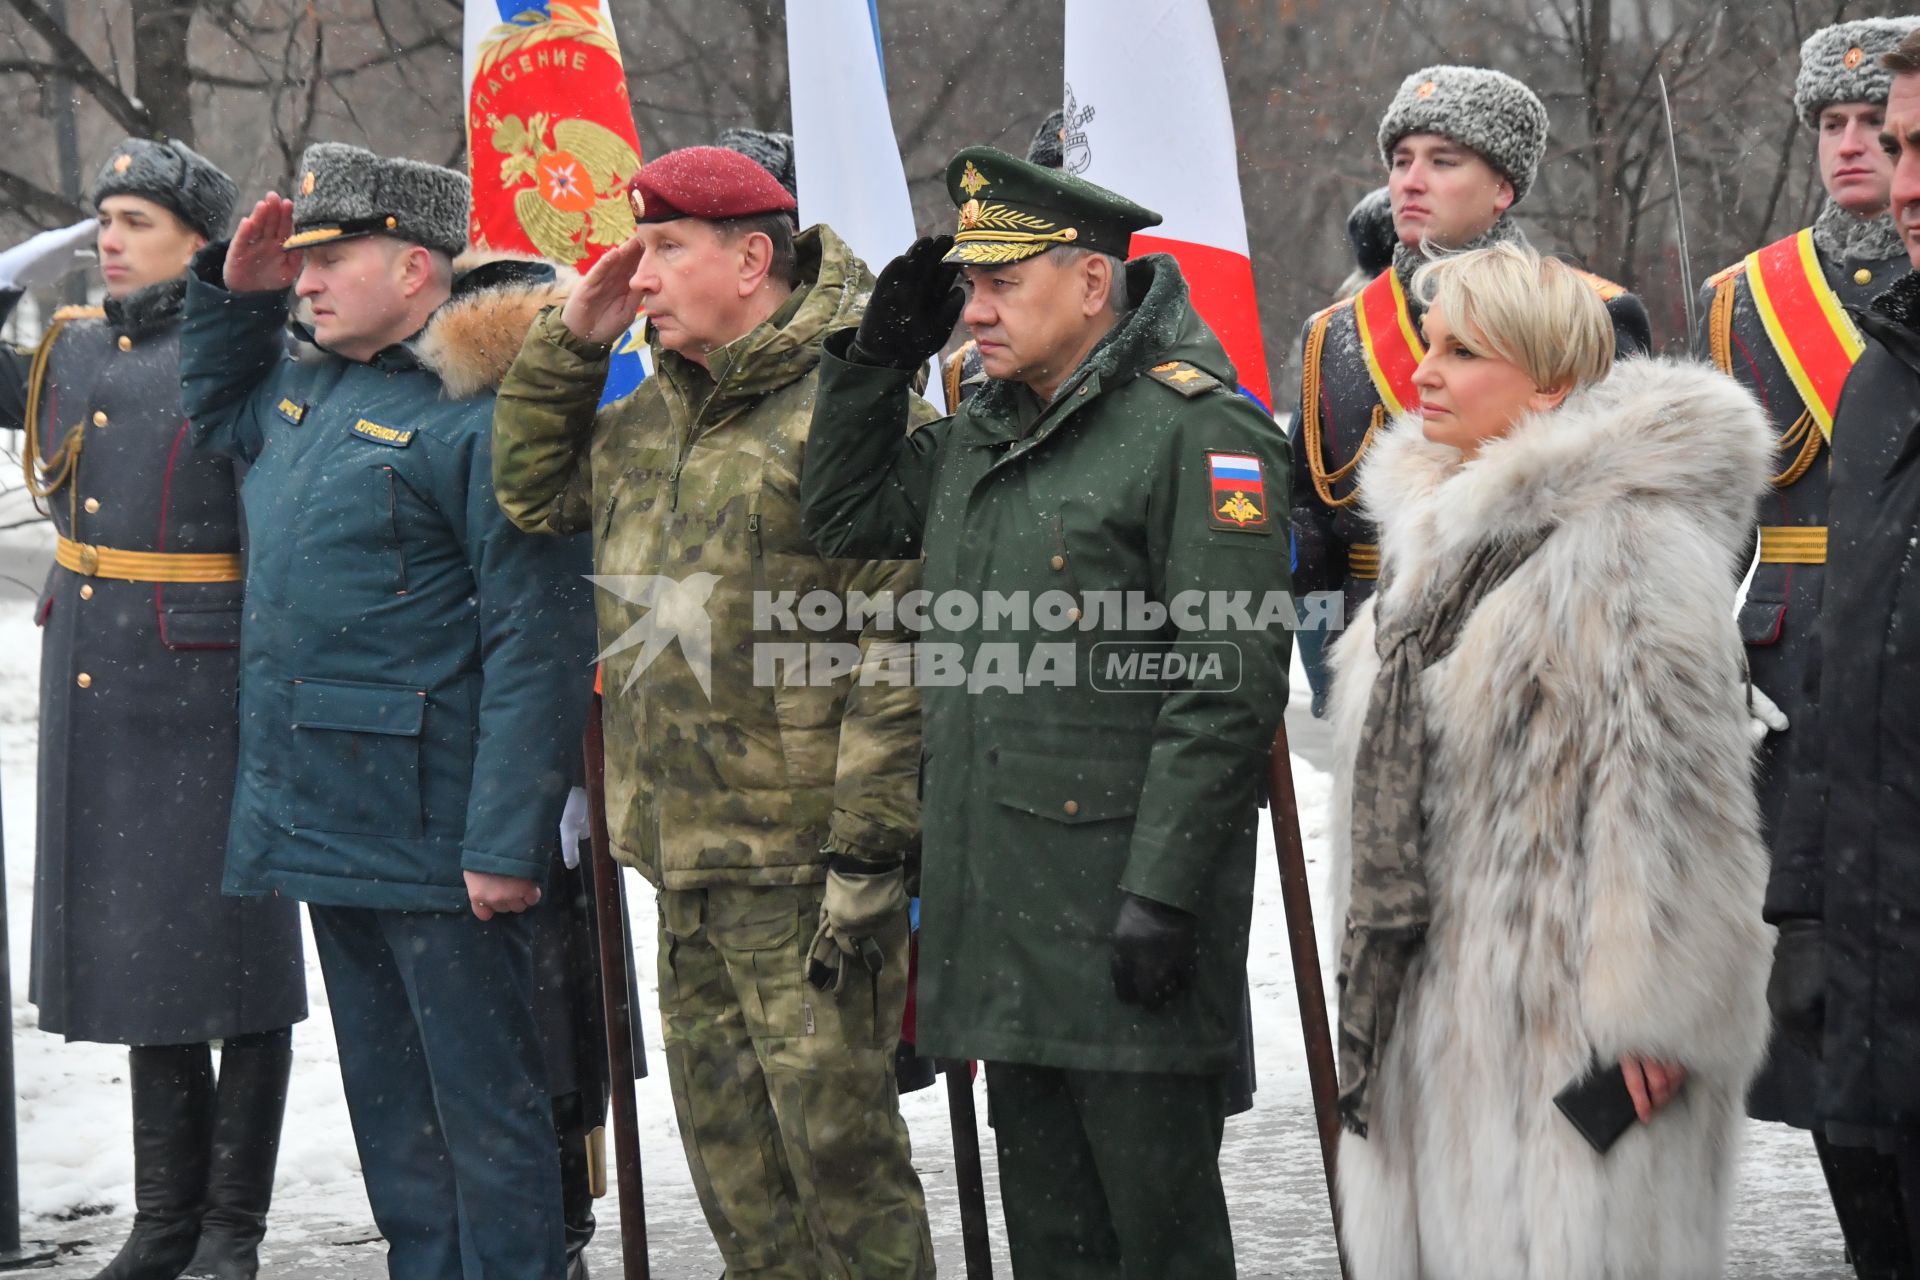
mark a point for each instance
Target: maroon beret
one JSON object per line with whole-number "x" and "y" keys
{"x": 705, "y": 182}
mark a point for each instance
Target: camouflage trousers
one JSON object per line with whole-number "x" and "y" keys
{"x": 785, "y": 1094}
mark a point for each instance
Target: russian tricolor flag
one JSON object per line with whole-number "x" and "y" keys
{"x": 1147, "y": 116}
{"x": 845, "y": 157}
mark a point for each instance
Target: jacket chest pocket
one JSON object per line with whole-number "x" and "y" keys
{"x": 352, "y": 528}
{"x": 354, "y": 758}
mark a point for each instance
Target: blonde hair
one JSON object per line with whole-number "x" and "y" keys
{"x": 1536, "y": 313}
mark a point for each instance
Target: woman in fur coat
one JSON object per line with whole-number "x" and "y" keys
{"x": 1552, "y": 867}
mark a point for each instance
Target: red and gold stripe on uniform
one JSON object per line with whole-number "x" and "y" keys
{"x": 1811, "y": 334}
{"x": 1391, "y": 342}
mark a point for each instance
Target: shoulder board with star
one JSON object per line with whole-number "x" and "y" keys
{"x": 1187, "y": 379}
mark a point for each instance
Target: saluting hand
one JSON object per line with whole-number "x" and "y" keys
{"x": 255, "y": 261}
{"x": 915, "y": 304}
{"x": 603, "y": 305}
{"x": 491, "y": 895}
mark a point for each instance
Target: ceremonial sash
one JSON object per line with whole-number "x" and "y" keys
{"x": 1811, "y": 334}
{"x": 1391, "y": 342}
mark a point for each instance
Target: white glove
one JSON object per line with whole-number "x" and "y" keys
{"x": 1764, "y": 716}
{"x": 573, "y": 827}
{"x": 44, "y": 258}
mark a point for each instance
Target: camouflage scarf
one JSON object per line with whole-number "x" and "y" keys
{"x": 1388, "y": 915}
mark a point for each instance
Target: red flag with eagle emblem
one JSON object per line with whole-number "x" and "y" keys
{"x": 550, "y": 136}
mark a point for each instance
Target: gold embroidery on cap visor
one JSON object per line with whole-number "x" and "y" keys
{"x": 302, "y": 239}
{"x": 995, "y": 234}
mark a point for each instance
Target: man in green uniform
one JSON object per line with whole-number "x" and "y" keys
{"x": 1090, "y": 794}
{"x": 774, "y": 818}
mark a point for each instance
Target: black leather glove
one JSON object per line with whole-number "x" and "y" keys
{"x": 915, "y": 305}
{"x": 1156, "y": 950}
{"x": 1797, "y": 986}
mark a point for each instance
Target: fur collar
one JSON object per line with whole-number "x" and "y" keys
{"x": 1408, "y": 259}
{"x": 1846, "y": 237}
{"x": 1652, "y": 432}
{"x": 148, "y": 310}
{"x": 471, "y": 341}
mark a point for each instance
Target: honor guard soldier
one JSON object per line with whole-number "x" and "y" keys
{"x": 774, "y": 817}
{"x": 133, "y": 942}
{"x": 1089, "y": 840}
{"x": 1781, "y": 321}
{"x": 1462, "y": 146}
{"x": 413, "y": 681}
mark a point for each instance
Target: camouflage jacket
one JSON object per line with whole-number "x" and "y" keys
{"x": 725, "y": 764}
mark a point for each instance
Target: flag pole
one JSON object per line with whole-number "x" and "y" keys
{"x": 1298, "y": 900}
{"x": 969, "y": 1180}
{"x": 610, "y": 909}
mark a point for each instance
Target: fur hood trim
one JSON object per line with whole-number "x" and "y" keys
{"x": 472, "y": 340}
{"x": 1653, "y": 431}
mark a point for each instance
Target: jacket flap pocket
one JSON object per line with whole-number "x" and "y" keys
{"x": 357, "y": 707}
{"x": 1070, "y": 791}
{"x": 1760, "y": 621}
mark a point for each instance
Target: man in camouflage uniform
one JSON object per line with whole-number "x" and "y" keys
{"x": 1850, "y": 254}
{"x": 1462, "y": 146}
{"x": 774, "y": 818}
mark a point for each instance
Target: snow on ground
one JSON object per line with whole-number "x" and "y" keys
{"x": 76, "y": 1169}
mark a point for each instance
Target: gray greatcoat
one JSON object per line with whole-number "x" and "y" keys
{"x": 132, "y": 941}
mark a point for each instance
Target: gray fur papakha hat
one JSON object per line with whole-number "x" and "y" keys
{"x": 173, "y": 175}
{"x": 1488, "y": 112}
{"x": 346, "y": 191}
{"x": 1046, "y": 149}
{"x": 1841, "y": 63}
{"x": 771, "y": 151}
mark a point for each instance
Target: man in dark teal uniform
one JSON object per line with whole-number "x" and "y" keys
{"x": 1088, "y": 824}
{"x": 413, "y": 682}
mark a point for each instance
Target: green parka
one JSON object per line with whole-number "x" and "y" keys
{"x": 1046, "y": 798}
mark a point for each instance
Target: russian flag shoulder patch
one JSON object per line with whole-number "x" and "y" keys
{"x": 1237, "y": 493}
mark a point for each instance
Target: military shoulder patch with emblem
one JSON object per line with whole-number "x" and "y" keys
{"x": 1237, "y": 493}
{"x": 1183, "y": 377}
{"x": 291, "y": 410}
{"x": 390, "y": 436}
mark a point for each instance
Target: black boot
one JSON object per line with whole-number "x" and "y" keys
{"x": 172, "y": 1118}
{"x": 248, "y": 1109}
{"x": 576, "y": 1203}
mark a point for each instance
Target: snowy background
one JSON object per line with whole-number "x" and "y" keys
{"x": 76, "y": 1169}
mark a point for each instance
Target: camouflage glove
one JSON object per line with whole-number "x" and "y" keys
{"x": 863, "y": 895}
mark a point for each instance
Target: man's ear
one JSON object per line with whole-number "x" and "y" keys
{"x": 756, "y": 259}
{"x": 416, "y": 269}
{"x": 1094, "y": 300}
